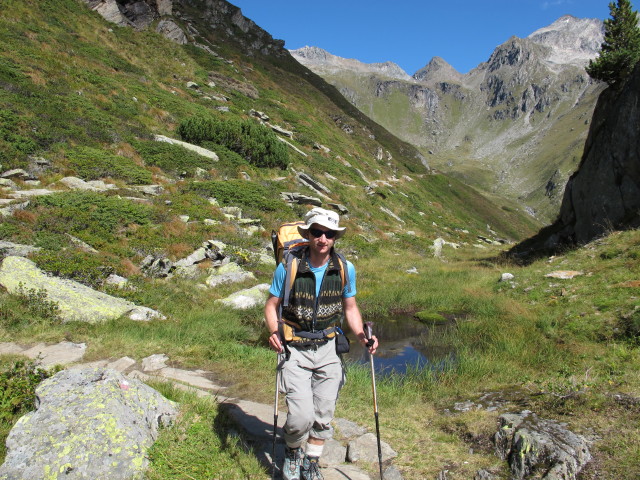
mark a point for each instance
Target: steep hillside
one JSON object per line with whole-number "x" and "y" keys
{"x": 514, "y": 126}
{"x": 85, "y": 98}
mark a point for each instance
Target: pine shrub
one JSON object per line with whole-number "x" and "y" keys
{"x": 254, "y": 142}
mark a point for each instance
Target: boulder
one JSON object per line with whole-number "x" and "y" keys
{"x": 76, "y": 302}
{"x": 189, "y": 146}
{"x": 300, "y": 198}
{"x": 229, "y": 273}
{"x": 248, "y": 298}
{"x": 88, "y": 423}
{"x": 16, "y": 249}
{"x": 10, "y": 209}
{"x": 544, "y": 448}
{"x": 75, "y": 183}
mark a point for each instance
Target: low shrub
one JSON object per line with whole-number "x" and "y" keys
{"x": 254, "y": 142}
{"x": 93, "y": 164}
{"x": 239, "y": 193}
{"x": 93, "y": 214}
{"x": 18, "y": 382}
{"x": 28, "y": 307}
{"x": 172, "y": 159}
{"x": 83, "y": 267}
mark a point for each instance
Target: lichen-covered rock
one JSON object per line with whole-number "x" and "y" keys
{"x": 89, "y": 423}
{"x": 76, "y": 301}
{"x": 248, "y": 298}
{"x": 537, "y": 446}
{"x": 229, "y": 273}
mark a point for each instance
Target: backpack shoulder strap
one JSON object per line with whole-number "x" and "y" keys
{"x": 291, "y": 267}
{"x": 344, "y": 270}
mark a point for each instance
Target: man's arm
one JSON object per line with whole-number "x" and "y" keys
{"x": 271, "y": 320}
{"x": 354, "y": 319}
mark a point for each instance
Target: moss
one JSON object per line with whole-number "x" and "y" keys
{"x": 433, "y": 318}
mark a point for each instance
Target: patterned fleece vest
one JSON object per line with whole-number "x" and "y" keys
{"x": 302, "y": 301}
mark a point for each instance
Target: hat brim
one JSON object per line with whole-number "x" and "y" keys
{"x": 304, "y": 230}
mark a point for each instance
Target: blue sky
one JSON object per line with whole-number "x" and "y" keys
{"x": 411, "y": 32}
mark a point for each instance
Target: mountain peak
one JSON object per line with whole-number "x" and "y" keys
{"x": 325, "y": 62}
{"x": 571, "y": 40}
{"x": 438, "y": 69}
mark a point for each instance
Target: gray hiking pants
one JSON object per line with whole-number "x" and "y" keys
{"x": 311, "y": 380}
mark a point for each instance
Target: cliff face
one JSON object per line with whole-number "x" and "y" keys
{"x": 604, "y": 193}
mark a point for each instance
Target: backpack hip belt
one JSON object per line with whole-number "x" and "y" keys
{"x": 302, "y": 338}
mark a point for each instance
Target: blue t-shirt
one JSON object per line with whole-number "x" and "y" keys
{"x": 280, "y": 274}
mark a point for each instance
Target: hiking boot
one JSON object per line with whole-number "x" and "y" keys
{"x": 311, "y": 469}
{"x": 292, "y": 463}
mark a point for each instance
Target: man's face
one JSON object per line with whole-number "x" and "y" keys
{"x": 318, "y": 240}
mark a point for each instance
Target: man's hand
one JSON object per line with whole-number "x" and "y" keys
{"x": 275, "y": 343}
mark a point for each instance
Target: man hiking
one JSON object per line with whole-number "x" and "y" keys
{"x": 313, "y": 374}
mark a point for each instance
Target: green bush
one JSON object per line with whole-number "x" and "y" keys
{"x": 28, "y": 307}
{"x": 239, "y": 193}
{"x": 8, "y": 230}
{"x": 13, "y": 141}
{"x": 87, "y": 268}
{"x": 18, "y": 382}
{"x": 254, "y": 142}
{"x": 89, "y": 213}
{"x": 93, "y": 164}
{"x": 172, "y": 159}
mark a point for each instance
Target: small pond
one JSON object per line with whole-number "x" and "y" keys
{"x": 405, "y": 343}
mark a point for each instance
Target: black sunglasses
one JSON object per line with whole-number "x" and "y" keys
{"x": 317, "y": 233}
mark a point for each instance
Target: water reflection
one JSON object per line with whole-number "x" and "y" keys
{"x": 405, "y": 343}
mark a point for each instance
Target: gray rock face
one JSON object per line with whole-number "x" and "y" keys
{"x": 17, "y": 249}
{"x": 88, "y": 423}
{"x": 534, "y": 446}
{"x": 172, "y": 31}
{"x": 605, "y": 191}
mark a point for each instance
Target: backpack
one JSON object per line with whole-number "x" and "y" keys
{"x": 288, "y": 246}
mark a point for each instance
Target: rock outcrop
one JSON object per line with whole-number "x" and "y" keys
{"x": 76, "y": 302}
{"x": 544, "y": 448}
{"x": 604, "y": 193}
{"x": 88, "y": 423}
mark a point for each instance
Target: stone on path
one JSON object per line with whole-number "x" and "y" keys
{"x": 365, "y": 448}
{"x": 89, "y": 423}
{"x": 62, "y": 353}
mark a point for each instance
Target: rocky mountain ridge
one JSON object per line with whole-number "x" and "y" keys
{"x": 514, "y": 126}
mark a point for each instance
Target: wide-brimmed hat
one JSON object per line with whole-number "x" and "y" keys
{"x": 320, "y": 216}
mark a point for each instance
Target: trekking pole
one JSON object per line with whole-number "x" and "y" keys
{"x": 368, "y": 333}
{"x": 275, "y": 420}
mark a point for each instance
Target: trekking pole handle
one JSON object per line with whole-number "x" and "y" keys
{"x": 368, "y": 333}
